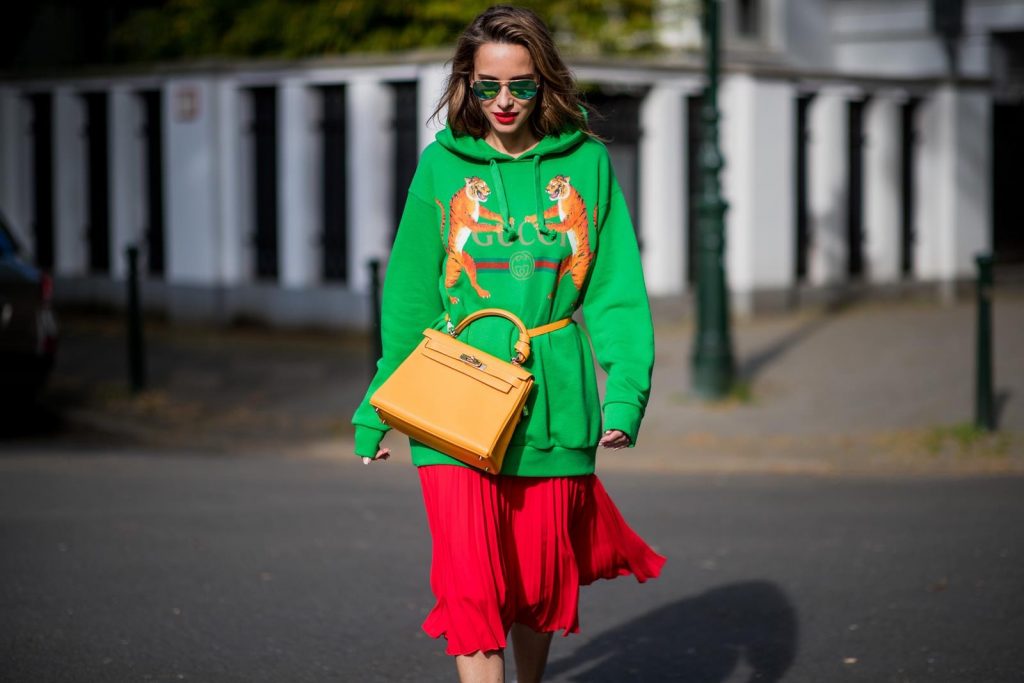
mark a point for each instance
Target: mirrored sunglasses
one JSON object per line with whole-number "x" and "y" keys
{"x": 525, "y": 89}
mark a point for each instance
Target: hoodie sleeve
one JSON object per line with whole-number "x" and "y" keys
{"x": 618, "y": 318}
{"x": 411, "y": 301}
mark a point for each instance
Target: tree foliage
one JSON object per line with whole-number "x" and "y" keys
{"x": 182, "y": 29}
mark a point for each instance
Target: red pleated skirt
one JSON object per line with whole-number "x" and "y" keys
{"x": 516, "y": 550}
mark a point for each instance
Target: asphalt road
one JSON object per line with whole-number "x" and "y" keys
{"x": 136, "y": 566}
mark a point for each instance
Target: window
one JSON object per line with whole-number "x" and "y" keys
{"x": 748, "y": 18}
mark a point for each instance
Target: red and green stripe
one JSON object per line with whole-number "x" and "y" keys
{"x": 502, "y": 264}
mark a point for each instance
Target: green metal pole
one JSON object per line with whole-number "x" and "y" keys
{"x": 712, "y": 356}
{"x": 984, "y": 405}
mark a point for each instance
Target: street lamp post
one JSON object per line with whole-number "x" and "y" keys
{"x": 712, "y": 355}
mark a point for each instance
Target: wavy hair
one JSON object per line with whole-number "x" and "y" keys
{"x": 558, "y": 108}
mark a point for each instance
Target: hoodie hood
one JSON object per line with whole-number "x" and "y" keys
{"x": 479, "y": 151}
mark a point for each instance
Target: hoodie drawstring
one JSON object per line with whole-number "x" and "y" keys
{"x": 542, "y": 227}
{"x": 510, "y": 229}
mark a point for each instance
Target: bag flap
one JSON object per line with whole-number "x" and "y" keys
{"x": 480, "y": 361}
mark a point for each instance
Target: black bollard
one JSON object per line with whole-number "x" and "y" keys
{"x": 378, "y": 348}
{"x": 984, "y": 403}
{"x": 136, "y": 351}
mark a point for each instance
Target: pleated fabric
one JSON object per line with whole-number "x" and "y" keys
{"x": 517, "y": 549}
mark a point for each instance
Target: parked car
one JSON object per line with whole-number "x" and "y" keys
{"x": 28, "y": 327}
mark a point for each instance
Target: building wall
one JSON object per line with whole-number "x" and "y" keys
{"x": 803, "y": 31}
{"x": 209, "y": 158}
{"x": 895, "y": 37}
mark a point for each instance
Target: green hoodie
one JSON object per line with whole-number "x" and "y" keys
{"x": 539, "y": 235}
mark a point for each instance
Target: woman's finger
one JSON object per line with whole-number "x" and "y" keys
{"x": 382, "y": 454}
{"x": 615, "y": 439}
{"x": 612, "y": 437}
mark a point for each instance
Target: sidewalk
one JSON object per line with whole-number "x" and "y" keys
{"x": 875, "y": 388}
{"x": 880, "y": 387}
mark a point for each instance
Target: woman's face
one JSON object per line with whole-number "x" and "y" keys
{"x": 504, "y": 62}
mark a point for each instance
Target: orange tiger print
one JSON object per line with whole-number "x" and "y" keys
{"x": 464, "y": 214}
{"x": 571, "y": 211}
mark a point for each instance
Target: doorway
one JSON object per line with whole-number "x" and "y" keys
{"x": 335, "y": 188}
{"x": 41, "y": 105}
{"x": 264, "y": 141}
{"x": 152, "y": 133}
{"x": 618, "y": 122}
{"x": 97, "y": 181}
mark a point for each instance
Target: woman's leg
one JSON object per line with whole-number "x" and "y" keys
{"x": 531, "y": 652}
{"x": 482, "y": 667}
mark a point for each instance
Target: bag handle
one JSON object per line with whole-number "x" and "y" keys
{"x": 522, "y": 346}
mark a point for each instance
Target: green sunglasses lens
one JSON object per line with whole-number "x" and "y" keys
{"x": 486, "y": 90}
{"x": 525, "y": 89}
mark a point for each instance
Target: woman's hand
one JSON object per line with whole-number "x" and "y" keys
{"x": 614, "y": 438}
{"x": 382, "y": 454}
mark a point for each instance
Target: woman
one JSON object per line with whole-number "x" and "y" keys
{"x": 515, "y": 206}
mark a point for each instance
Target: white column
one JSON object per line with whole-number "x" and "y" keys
{"x": 757, "y": 181}
{"x": 231, "y": 229}
{"x": 883, "y": 185}
{"x": 827, "y": 186}
{"x": 14, "y": 172}
{"x": 663, "y": 155}
{"x": 432, "y": 78}
{"x": 953, "y": 210}
{"x": 70, "y": 248}
{"x": 299, "y": 183}
{"x": 190, "y": 142}
{"x": 127, "y": 172}
{"x": 370, "y": 145}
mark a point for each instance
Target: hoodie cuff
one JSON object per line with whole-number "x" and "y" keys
{"x": 625, "y": 417}
{"x": 368, "y": 441}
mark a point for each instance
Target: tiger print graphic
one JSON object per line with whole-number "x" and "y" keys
{"x": 571, "y": 212}
{"x": 465, "y": 212}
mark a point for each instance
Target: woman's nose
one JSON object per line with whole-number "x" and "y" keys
{"x": 504, "y": 96}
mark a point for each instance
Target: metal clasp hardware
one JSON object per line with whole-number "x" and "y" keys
{"x": 472, "y": 360}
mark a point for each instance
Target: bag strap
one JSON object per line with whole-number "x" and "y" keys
{"x": 522, "y": 344}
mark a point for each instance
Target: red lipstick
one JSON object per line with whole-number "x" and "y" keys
{"x": 505, "y": 118}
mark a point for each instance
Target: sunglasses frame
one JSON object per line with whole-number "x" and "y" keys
{"x": 505, "y": 84}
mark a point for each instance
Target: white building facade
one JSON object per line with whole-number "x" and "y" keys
{"x": 855, "y": 158}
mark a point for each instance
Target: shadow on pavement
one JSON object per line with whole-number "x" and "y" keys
{"x": 703, "y": 638}
{"x": 750, "y": 366}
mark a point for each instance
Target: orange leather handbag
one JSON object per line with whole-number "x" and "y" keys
{"x": 483, "y": 396}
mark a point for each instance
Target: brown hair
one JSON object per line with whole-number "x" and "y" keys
{"x": 558, "y": 102}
